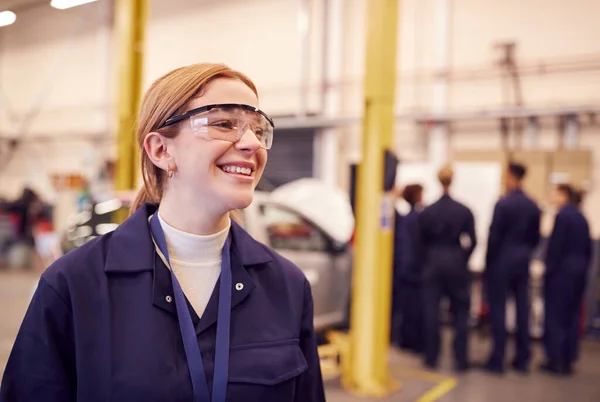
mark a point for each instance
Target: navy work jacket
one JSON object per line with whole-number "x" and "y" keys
{"x": 514, "y": 232}
{"x": 569, "y": 249}
{"x": 102, "y": 326}
{"x": 447, "y": 236}
{"x": 410, "y": 261}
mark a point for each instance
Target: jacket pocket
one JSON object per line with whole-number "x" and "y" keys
{"x": 268, "y": 363}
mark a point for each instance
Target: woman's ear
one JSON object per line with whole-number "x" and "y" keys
{"x": 157, "y": 147}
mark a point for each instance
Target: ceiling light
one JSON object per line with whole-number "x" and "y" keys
{"x": 64, "y": 4}
{"x": 7, "y": 18}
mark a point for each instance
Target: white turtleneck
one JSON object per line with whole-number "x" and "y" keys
{"x": 196, "y": 262}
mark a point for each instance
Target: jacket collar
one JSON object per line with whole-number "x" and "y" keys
{"x": 132, "y": 250}
{"x": 567, "y": 208}
{"x": 516, "y": 191}
{"x": 131, "y": 247}
{"x": 162, "y": 292}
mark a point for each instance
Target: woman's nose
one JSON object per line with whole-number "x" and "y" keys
{"x": 248, "y": 141}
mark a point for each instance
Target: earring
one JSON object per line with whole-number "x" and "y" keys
{"x": 170, "y": 171}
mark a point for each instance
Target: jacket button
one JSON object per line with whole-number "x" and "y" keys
{"x": 169, "y": 299}
{"x": 239, "y": 286}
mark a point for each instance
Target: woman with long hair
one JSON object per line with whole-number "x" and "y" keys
{"x": 179, "y": 303}
{"x": 568, "y": 259}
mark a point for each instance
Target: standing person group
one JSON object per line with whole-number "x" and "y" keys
{"x": 434, "y": 247}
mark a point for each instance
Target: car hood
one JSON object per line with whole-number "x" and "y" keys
{"x": 325, "y": 206}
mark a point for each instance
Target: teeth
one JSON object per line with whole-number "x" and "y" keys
{"x": 236, "y": 169}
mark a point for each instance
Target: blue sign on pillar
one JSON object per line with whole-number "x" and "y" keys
{"x": 387, "y": 212}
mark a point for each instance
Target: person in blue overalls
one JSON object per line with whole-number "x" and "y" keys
{"x": 447, "y": 235}
{"x": 396, "y": 317}
{"x": 179, "y": 303}
{"x": 409, "y": 272}
{"x": 568, "y": 259}
{"x": 514, "y": 235}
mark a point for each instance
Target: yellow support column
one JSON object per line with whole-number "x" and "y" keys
{"x": 368, "y": 371}
{"x": 130, "y": 27}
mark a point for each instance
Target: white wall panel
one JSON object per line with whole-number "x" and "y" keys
{"x": 55, "y": 72}
{"x": 260, "y": 38}
{"x": 51, "y": 60}
{"x": 590, "y": 139}
{"x": 543, "y": 28}
{"x": 548, "y": 31}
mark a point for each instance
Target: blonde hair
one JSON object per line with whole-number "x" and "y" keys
{"x": 445, "y": 175}
{"x": 170, "y": 95}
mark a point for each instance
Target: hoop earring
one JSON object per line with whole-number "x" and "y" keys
{"x": 170, "y": 171}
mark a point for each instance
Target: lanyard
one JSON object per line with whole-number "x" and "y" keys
{"x": 188, "y": 332}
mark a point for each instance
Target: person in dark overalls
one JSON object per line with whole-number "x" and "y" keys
{"x": 396, "y": 318}
{"x": 447, "y": 234}
{"x": 409, "y": 272}
{"x": 514, "y": 235}
{"x": 567, "y": 261}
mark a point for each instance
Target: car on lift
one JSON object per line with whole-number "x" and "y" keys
{"x": 305, "y": 221}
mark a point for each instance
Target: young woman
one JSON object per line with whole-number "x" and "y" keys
{"x": 409, "y": 273}
{"x": 447, "y": 240}
{"x": 179, "y": 303}
{"x": 567, "y": 262}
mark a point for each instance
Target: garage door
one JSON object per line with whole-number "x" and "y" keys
{"x": 291, "y": 157}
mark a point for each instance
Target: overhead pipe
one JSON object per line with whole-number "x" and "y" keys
{"x": 499, "y": 113}
{"x": 428, "y": 118}
{"x": 455, "y": 75}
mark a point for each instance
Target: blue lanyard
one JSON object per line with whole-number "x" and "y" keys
{"x": 188, "y": 332}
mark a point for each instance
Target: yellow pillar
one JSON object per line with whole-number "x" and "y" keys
{"x": 130, "y": 27}
{"x": 368, "y": 371}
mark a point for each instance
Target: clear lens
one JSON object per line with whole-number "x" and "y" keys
{"x": 230, "y": 124}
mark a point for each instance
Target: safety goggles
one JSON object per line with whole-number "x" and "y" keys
{"x": 228, "y": 122}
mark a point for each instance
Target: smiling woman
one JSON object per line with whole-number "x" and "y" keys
{"x": 179, "y": 302}
{"x": 198, "y": 124}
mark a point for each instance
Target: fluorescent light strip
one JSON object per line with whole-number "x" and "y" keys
{"x": 64, "y": 4}
{"x": 7, "y": 18}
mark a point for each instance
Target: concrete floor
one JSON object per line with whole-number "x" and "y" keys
{"x": 584, "y": 386}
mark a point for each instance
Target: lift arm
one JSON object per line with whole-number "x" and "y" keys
{"x": 130, "y": 27}
{"x": 368, "y": 371}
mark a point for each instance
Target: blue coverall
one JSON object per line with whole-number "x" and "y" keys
{"x": 447, "y": 233}
{"x": 410, "y": 272}
{"x": 514, "y": 235}
{"x": 567, "y": 263}
{"x": 102, "y": 326}
{"x": 396, "y": 319}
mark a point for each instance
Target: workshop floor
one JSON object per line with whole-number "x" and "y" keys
{"x": 416, "y": 384}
